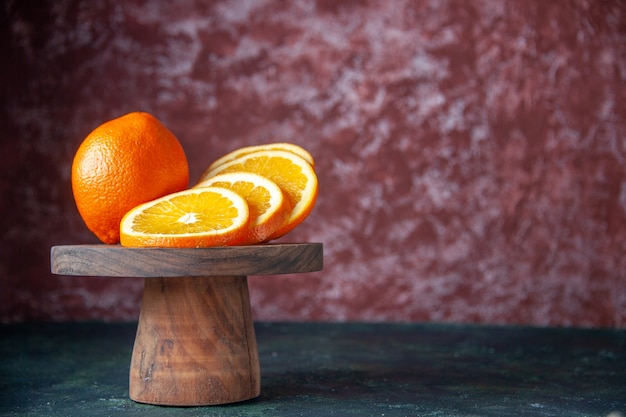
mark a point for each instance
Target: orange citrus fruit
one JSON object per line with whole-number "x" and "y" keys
{"x": 194, "y": 218}
{"x": 122, "y": 163}
{"x": 293, "y": 174}
{"x": 268, "y": 207}
{"x": 278, "y": 146}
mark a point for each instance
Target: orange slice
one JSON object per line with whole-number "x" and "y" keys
{"x": 292, "y": 173}
{"x": 278, "y": 146}
{"x": 268, "y": 207}
{"x": 200, "y": 217}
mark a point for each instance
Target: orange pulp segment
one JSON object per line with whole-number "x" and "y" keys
{"x": 200, "y": 217}
{"x": 268, "y": 207}
{"x": 292, "y": 173}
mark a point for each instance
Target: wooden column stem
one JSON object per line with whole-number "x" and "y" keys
{"x": 195, "y": 343}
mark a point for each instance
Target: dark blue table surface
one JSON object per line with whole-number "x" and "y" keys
{"x": 326, "y": 369}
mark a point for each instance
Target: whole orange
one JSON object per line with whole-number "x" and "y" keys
{"x": 123, "y": 163}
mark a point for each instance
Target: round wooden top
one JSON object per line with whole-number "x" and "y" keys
{"x": 118, "y": 261}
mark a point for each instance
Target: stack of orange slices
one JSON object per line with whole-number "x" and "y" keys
{"x": 251, "y": 195}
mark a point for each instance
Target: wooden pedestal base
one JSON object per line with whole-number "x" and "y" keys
{"x": 195, "y": 343}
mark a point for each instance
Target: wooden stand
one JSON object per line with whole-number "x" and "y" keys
{"x": 195, "y": 342}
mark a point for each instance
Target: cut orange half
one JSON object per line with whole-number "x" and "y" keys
{"x": 278, "y": 146}
{"x": 268, "y": 207}
{"x": 292, "y": 173}
{"x": 192, "y": 218}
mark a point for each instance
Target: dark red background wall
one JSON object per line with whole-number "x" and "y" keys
{"x": 471, "y": 154}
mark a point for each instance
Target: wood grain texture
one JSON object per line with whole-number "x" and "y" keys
{"x": 195, "y": 343}
{"x": 118, "y": 261}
